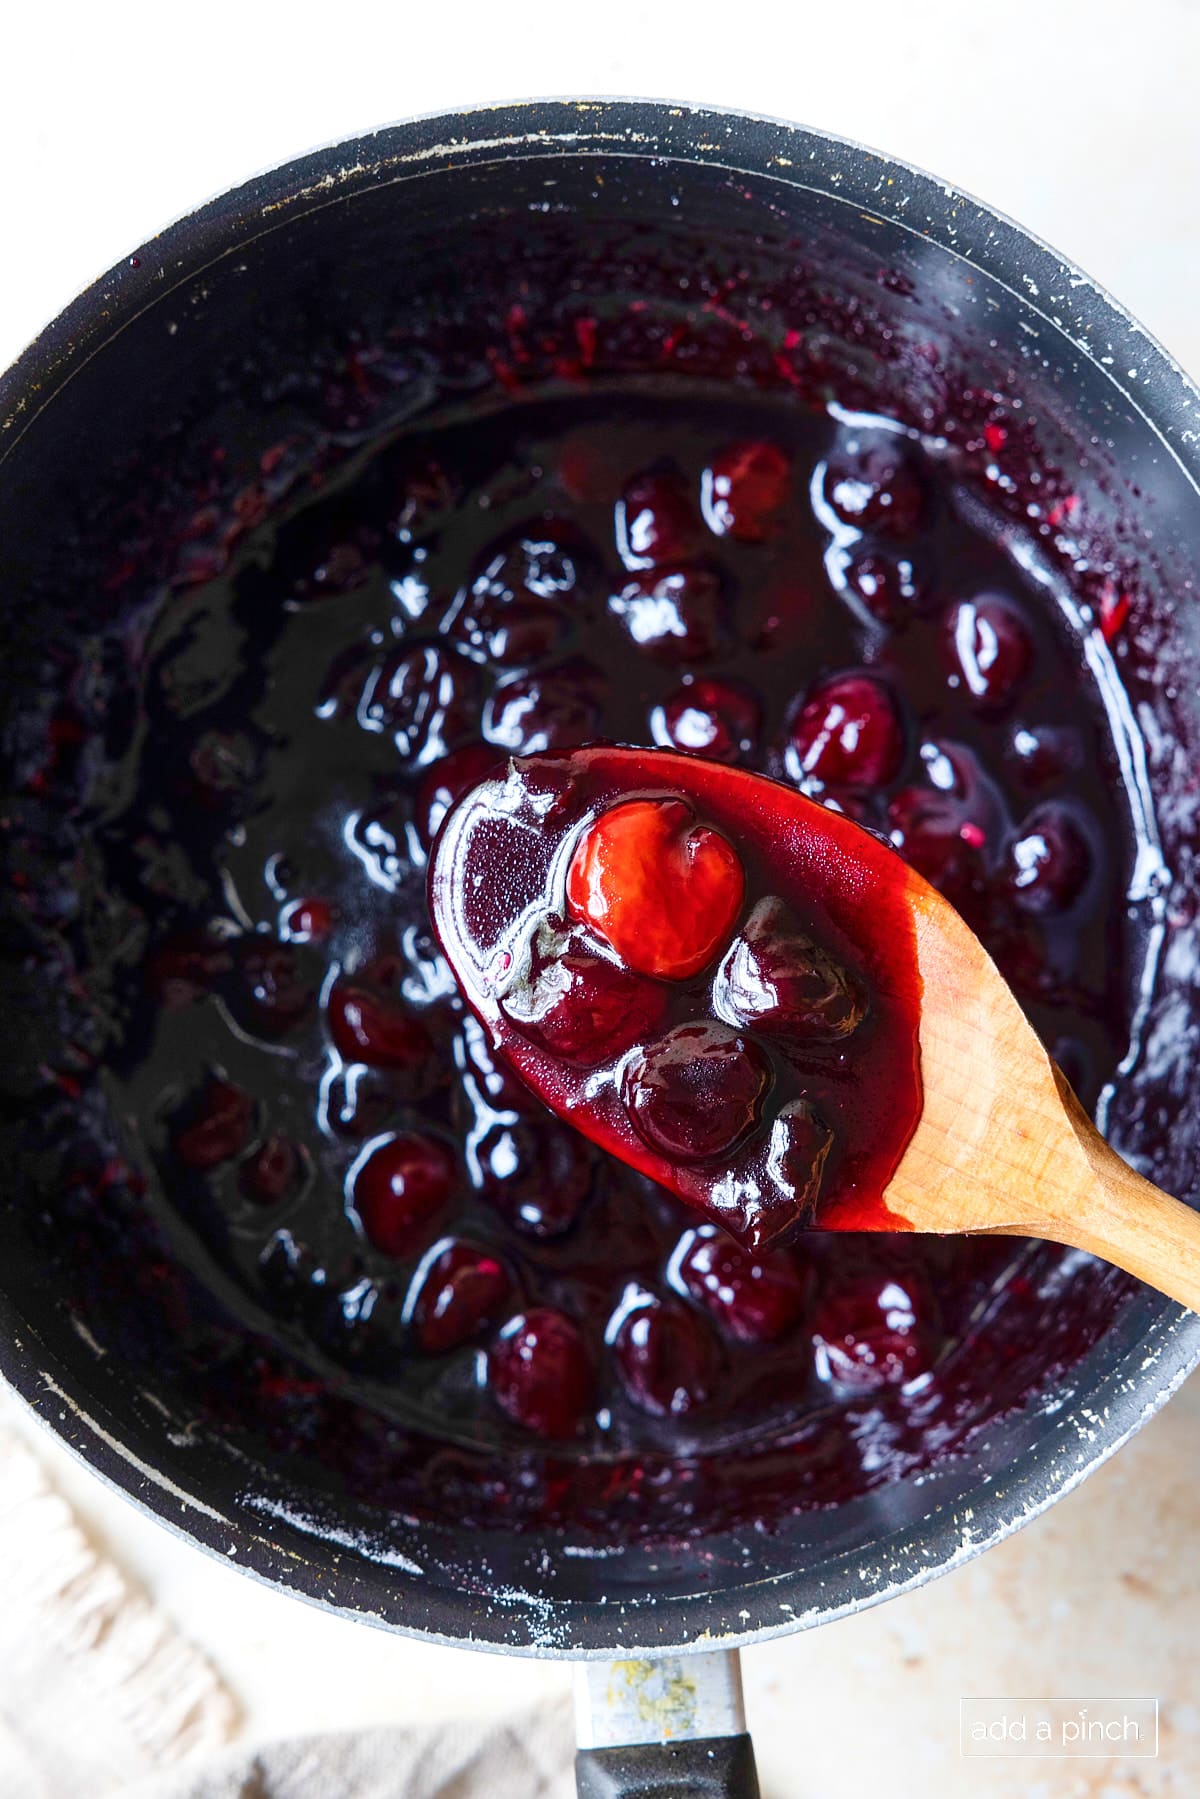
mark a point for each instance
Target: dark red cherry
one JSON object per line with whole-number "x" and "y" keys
{"x": 339, "y": 569}
{"x": 885, "y": 584}
{"x": 877, "y": 486}
{"x": 487, "y": 1078}
{"x": 937, "y": 837}
{"x": 361, "y": 1102}
{"x": 775, "y": 978}
{"x": 1049, "y": 862}
{"x": 656, "y": 522}
{"x": 665, "y": 1356}
{"x": 306, "y": 921}
{"x": 186, "y": 967}
{"x": 342, "y": 685}
{"x": 223, "y": 766}
{"x": 545, "y": 562}
{"x": 744, "y": 488}
{"x": 426, "y": 492}
{"x": 697, "y": 1091}
{"x": 401, "y": 1185}
{"x": 798, "y": 1150}
{"x": 517, "y": 610}
{"x": 583, "y": 1007}
{"x": 370, "y": 1025}
{"x": 379, "y": 838}
{"x": 675, "y": 615}
{"x": 656, "y": 884}
{"x": 275, "y": 994}
{"x": 274, "y": 1172}
{"x": 873, "y": 1333}
{"x": 951, "y": 831}
{"x": 847, "y": 734}
{"x": 1045, "y": 752}
{"x": 538, "y": 1372}
{"x": 535, "y": 1172}
{"x": 546, "y": 709}
{"x": 446, "y": 781}
{"x": 217, "y": 1127}
{"x": 718, "y": 719}
{"x": 422, "y": 698}
{"x": 987, "y": 647}
{"x": 755, "y": 1299}
{"x": 521, "y": 632}
{"x": 457, "y": 1289}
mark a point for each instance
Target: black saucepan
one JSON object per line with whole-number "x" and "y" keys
{"x": 891, "y": 285}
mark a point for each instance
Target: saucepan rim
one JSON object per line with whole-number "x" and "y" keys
{"x": 1097, "y": 328}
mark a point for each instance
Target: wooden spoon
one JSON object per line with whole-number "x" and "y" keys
{"x": 1001, "y": 1145}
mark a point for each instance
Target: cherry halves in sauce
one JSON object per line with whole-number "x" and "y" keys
{"x": 705, "y": 972}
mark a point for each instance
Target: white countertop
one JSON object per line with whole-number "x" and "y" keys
{"x": 1080, "y": 120}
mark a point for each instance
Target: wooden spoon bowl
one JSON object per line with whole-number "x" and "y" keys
{"x": 598, "y": 907}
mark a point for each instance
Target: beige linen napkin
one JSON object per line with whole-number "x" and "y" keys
{"x": 96, "y": 1687}
{"x": 100, "y": 1698}
{"x": 532, "y": 1757}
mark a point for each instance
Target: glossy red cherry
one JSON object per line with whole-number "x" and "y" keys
{"x": 775, "y": 978}
{"x": 274, "y": 992}
{"x": 423, "y": 699}
{"x": 457, "y": 1289}
{"x": 376, "y": 1027}
{"x": 708, "y": 718}
{"x": 744, "y": 488}
{"x": 665, "y": 1355}
{"x": 539, "y": 1373}
{"x": 755, "y": 1299}
{"x": 306, "y": 921}
{"x": 446, "y": 781}
{"x": 935, "y": 834}
{"x": 798, "y": 1150}
{"x": 656, "y": 522}
{"x": 887, "y": 585}
{"x": 877, "y": 486}
{"x": 1050, "y": 861}
{"x": 657, "y": 885}
{"x": 583, "y": 1007}
{"x": 522, "y": 632}
{"x": 518, "y": 608}
{"x": 697, "y": 1091}
{"x": 1045, "y": 752}
{"x": 847, "y": 734}
{"x": 545, "y": 562}
{"x": 951, "y": 830}
{"x": 873, "y": 1333}
{"x": 361, "y": 1102}
{"x": 399, "y": 1188}
{"x": 274, "y": 1172}
{"x": 488, "y": 1080}
{"x": 217, "y": 1127}
{"x": 535, "y": 1172}
{"x": 987, "y": 647}
{"x": 674, "y": 614}
{"x": 544, "y": 709}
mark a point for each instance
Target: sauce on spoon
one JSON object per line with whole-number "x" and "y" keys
{"x": 705, "y": 972}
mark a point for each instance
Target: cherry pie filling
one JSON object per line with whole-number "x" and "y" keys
{"x": 747, "y": 583}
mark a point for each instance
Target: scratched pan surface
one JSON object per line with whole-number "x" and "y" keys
{"x": 249, "y": 293}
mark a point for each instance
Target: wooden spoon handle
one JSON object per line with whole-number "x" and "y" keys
{"x": 1122, "y": 1217}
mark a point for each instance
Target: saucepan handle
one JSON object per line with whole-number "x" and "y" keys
{"x": 664, "y": 1729}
